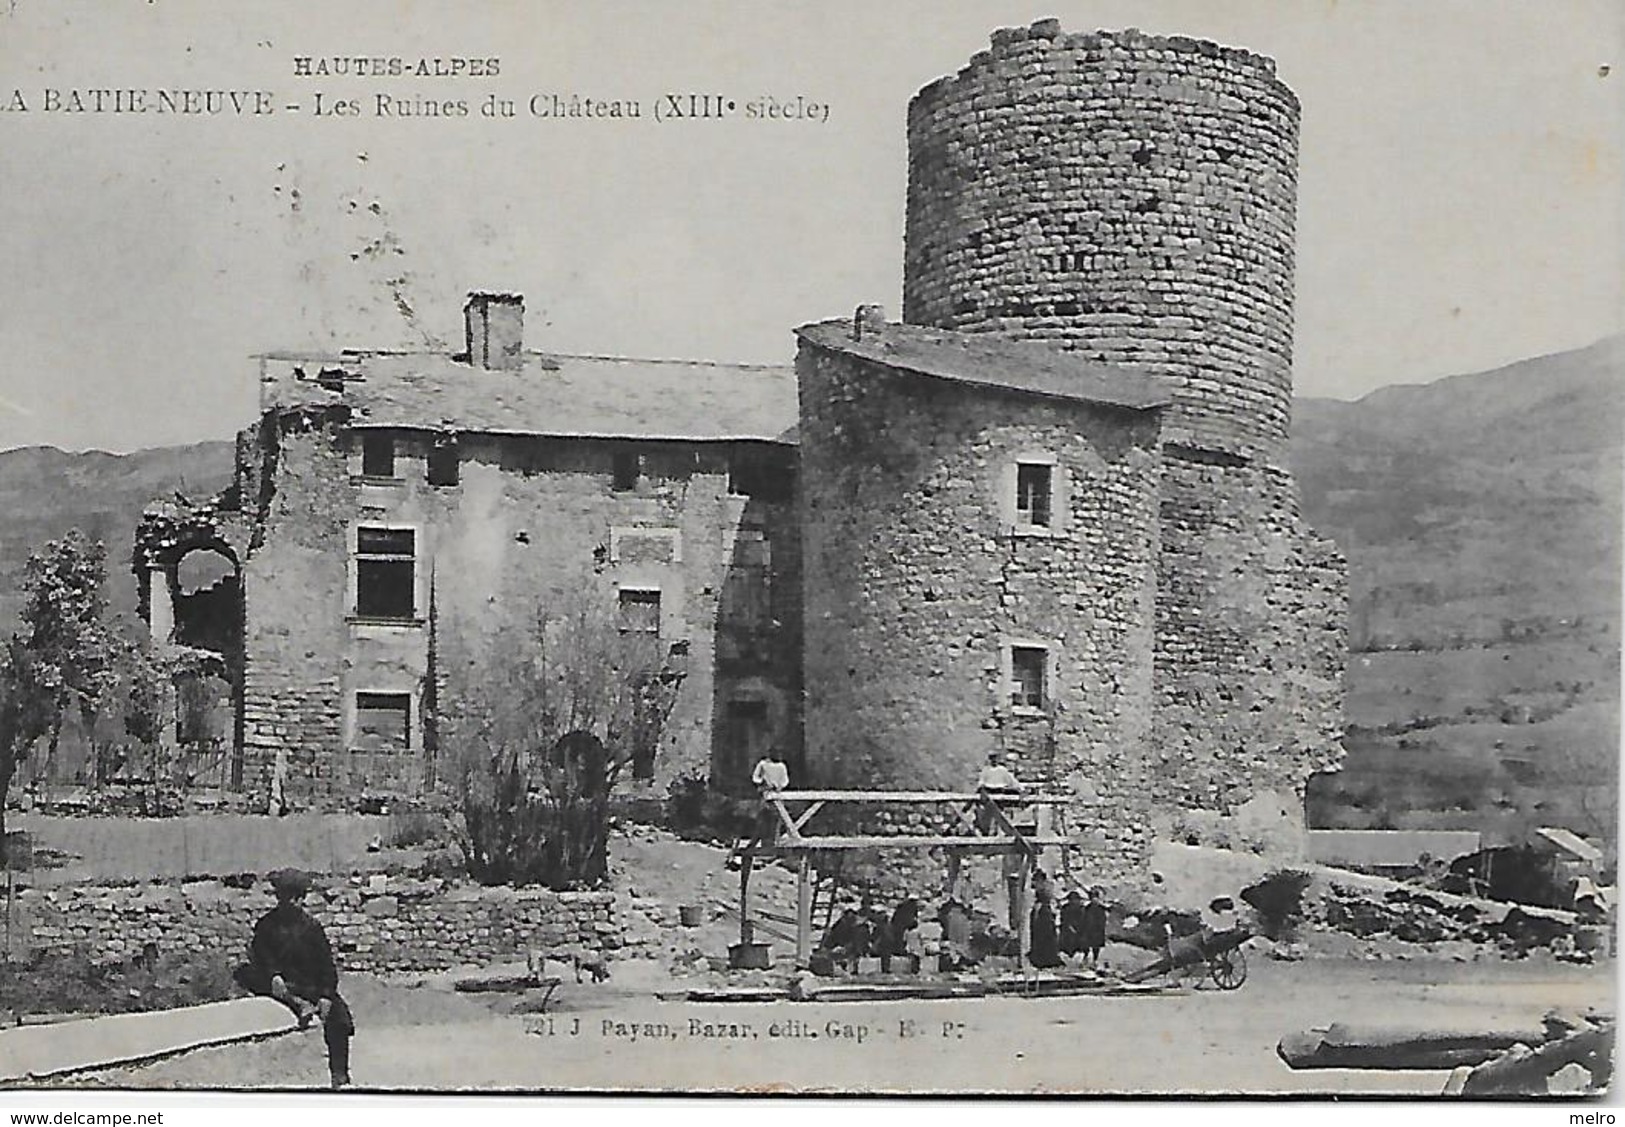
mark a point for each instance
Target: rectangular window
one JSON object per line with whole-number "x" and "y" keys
{"x": 443, "y": 463}
{"x": 385, "y": 573}
{"x": 377, "y": 454}
{"x": 382, "y": 722}
{"x": 1027, "y": 676}
{"x": 639, "y": 611}
{"x": 628, "y": 469}
{"x": 1034, "y": 483}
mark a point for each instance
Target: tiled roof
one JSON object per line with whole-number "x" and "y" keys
{"x": 1032, "y": 367}
{"x": 578, "y": 396}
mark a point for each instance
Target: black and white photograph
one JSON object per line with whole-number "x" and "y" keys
{"x": 782, "y": 548}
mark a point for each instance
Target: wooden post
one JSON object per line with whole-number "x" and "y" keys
{"x": 1018, "y": 905}
{"x": 954, "y": 858}
{"x": 745, "y": 863}
{"x": 804, "y": 910}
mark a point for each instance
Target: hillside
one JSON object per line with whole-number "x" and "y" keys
{"x": 1481, "y": 517}
{"x": 44, "y": 492}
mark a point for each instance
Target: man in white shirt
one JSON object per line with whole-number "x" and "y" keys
{"x": 769, "y": 776}
{"x": 997, "y": 777}
{"x": 770, "y": 773}
{"x": 996, "y": 781}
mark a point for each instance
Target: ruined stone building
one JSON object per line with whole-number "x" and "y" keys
{"x": 1048, "y": 513}
{"x": 388, "y": 505}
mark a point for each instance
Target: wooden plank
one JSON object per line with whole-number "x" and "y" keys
{"x": 969, "y": 844}
{"x": 805, "y": 815}
{"x": 804, "y": 911}
{"x": 1047, "y": 798}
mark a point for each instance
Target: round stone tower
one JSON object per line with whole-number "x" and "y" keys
{"x": 1128, "y": 196}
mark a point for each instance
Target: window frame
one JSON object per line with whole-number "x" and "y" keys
{"x": 1008, "y": 483}
{"x": 410, "y": 720}
{"x": 440, "y": 451}
{"x": 620, "y": 460}
{"x": 641, "y": 593}
{"x": 1027, "y": 511}
{"x": 358, "y": 557}
{"x": 1010, "y": 684}
{"x": 370, "y": 440}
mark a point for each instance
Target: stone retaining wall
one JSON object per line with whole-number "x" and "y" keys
{"x": 391, "y": 925}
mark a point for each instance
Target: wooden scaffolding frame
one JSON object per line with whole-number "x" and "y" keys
{"x": 986, "y": 817}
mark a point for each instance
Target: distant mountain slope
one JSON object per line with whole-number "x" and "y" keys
{"x": 44, "y": 492}
{"x": 1481, "y": 515}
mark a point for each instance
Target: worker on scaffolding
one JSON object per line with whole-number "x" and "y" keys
{"x": 770, "y": 776}
{"x": 998, "y": 786}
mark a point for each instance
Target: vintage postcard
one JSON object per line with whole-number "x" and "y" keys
{"x": 844, "y": 548}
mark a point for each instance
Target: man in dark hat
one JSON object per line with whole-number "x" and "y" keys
{"x": 289, "y": 959}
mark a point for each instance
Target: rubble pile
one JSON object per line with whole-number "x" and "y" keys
{"x": 1415, "y": 917}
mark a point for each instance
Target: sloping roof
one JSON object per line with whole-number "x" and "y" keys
{"x": 1571, "y": 842}
{"x": 577, "y": 396}
{"x": 1031, "y": 367}
{"x": 1390, "y": 848}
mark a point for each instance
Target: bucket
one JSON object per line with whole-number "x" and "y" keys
{"x": 750, "y": 956}
{"x": 691, "y": 915}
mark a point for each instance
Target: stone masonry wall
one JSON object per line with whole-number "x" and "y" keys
{"x": 529, "y": 520}
{"x": 295, "y": 635}
{"x": 1128, "y": 196}
{"x": 1132, "y": 197}
{"x": 914, "y": 585}
{"x": 1251, "y": 645}
{"x": 401, "y": 925}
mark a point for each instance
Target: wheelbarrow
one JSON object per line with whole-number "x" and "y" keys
{"x": 1219, "y": 953}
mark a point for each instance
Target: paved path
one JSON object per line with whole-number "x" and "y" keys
{"x": 39, "y": 1051}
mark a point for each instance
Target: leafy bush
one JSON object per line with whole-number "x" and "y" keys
{"x": 698, "y": 813}
{"x": 1277, "y": 901}
{"x": 543, "y": 727}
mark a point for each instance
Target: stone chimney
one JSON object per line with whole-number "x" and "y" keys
{"x": 869, "y": 320}
{"x": 496, "y": 330}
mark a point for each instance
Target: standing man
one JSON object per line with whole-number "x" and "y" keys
{"x": 1092, "y": 925}
{"x": 996, "y": 781}
{"x": 770, "y": 775}
{"x": 289, "y": 959}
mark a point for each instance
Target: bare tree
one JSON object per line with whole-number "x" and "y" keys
{"x": 542, "y": 728}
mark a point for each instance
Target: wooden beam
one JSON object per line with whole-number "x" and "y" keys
{"x": 1029, "y": 798}
{"x": 806, "y": 814}
{"x": 744, "y": 895}
{"x": 911, "y": 841}
{"x": 804, "y": 911}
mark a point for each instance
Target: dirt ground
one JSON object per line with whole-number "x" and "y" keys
{"x": 616, "y": 1036}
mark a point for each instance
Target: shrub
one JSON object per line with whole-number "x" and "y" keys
{"x": 1277, "y": 900}
{"x": 698, "y": 813}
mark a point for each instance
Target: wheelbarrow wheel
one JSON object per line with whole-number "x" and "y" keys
{"x": 1229, "y": 969}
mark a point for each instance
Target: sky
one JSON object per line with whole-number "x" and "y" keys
{"x": 1461, "y": 193}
